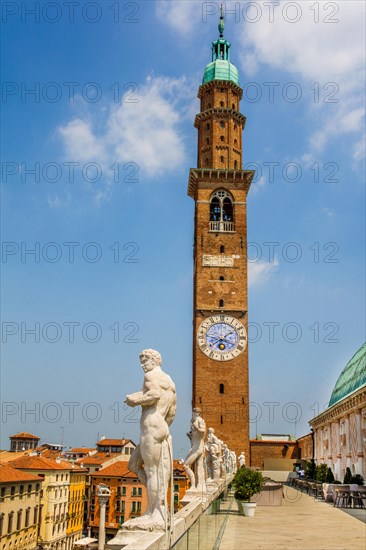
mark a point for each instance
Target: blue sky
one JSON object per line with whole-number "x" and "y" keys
{"x": 109, "y": 136}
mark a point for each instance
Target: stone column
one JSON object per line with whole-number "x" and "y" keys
{"x": 103, "y": 495}
{"x": 360, "y": 457}
{"x": 338, "y": 467}
{"x": 330, "y": 455}
{"x": 348, "y": 447}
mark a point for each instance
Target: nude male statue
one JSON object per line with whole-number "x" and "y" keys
{"x": 152, "y": 458}
{"x": 195, "y": 455}
{"x": 214, "y": 450}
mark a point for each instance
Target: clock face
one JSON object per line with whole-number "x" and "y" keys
{"x": 222, "y": 337}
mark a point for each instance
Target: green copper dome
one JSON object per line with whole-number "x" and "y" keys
{"x": 352, "y": 377}
{"x": 220, "y": 67}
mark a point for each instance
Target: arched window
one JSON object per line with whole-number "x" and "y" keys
{"x": 222, "y": 388}
{"x": 233, "y": 106}
{"x": 235, "y": 127}
{"x": 207, "y": 126}
{"x": 207, "y": 141}
{"x": 222, "y": 249}
{"x": 235, "y": 164}
{"x": 221, "y": 419}
{"x": 235, "y": 142}
{"x": 222, "y": 278}
{"x": 221, "y": 303}
{"x": 222, "y": 124}
{"x": 222, "y": 159}
{"x": 222, "y": 138}
{"x": 221, "y": 212}
{"x": 221, "y": 103}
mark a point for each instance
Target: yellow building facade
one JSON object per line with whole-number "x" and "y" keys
{"x": 54, "y": 500}
{"x": 19, "y": 509}
{"x": 75, "y": 518}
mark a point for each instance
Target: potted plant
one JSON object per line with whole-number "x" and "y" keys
{"x": 246, "y": 484}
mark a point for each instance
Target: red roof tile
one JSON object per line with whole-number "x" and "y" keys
{"x": 77, "y": 450}
{"x": 8, "y": 474}
{"x": 118, "y": 469}
{"x": 98, "y": 458}
{"x": 39, "y": 463}
{"x": 24, "y": 435}
{"x": 113, "y": 442}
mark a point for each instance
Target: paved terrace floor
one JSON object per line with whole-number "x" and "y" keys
{"x": 301, "y": 523}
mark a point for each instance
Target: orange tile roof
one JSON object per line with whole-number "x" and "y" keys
{"x": 78, "y": 470}
{"x": 24, "y": 435}
{"x": 8, "y": 474}
{"x": 113, "y": 442}
{"x": 6, "y": 456}
{"x": 118, "y": 469}
{"x": 98, "y": 458}
{"x": 81, "y": 450}
{"x": 39, "y": 463}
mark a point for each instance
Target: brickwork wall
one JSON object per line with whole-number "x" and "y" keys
{"x": 305, "y": 444}
{"x": 219, "y": 127}
{"x": 260, "y": 451}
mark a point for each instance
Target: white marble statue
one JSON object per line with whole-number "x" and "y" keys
{"x": 226, "y": 458}
{"x": 241, "y": 459}
{"x": 152, "y": 458}
{"x": 213, "y": 460}
{"x": 233, "y": 462}
{"x": 195, "y": 456}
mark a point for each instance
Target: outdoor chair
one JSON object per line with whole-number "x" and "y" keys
{"x": 342, "y": 498}
{"x": 356, "y": 499}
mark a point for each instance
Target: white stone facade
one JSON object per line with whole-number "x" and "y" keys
{"x": 340, "y": 435}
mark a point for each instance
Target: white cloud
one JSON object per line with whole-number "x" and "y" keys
{"x": 260, "y": 272}
{"x": 80, "y": 141}
{"x": 322, "y": 52}
{"x": 146, "y": 132}
{"x": 180, "y": 15}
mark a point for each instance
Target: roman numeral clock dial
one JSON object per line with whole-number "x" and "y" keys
{"x": 222, "y": 337}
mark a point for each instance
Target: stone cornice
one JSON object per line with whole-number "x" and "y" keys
{"x": 220, "y": 84}
{"x": 220, "y": 113}
{"x": 349, "y": 404}
{"x": 213, "y": 178}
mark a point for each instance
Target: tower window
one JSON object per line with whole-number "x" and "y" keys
{"x": 207, "y": 141}
{"x": 222, "y": 159}
{"x": 209, "y": 106}
{"x": 222, "y": 124}
{"x": 207, "y": 126}
{"x": 222, "y": 249}
{"x": 233, "y": 106}
{"x": 222, "y": 138}
{"x": 221, "y": 208}
{"x": 235, "y": 127}
{"x": 235, "y": 142}
{"x": 221, "y": 103}
{"x": 221, "y": 303}
{"x": 221, "y": 419}
{"x": 222, "y": 278}
{"x": 222, "y": 388}
{"x": 235, "y": 164}
{"x": 206, "y": 162}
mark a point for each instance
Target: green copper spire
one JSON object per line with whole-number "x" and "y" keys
{"x": 220, "y": 67}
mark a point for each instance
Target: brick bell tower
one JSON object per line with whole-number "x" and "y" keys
{"x": 219, "y": 187}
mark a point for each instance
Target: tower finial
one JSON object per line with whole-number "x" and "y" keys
{"x": 221, "y": 22}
